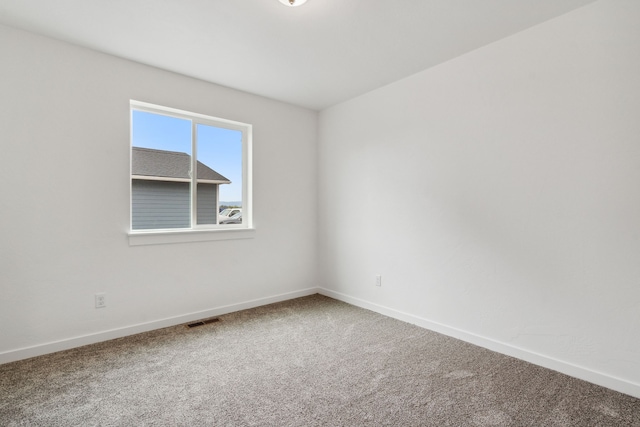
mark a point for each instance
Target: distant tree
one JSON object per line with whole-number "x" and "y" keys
{"x": 223, "y": 207}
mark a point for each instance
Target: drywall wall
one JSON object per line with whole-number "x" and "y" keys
{"x": 64, "y": 202}
{"x": 497, "y": 195}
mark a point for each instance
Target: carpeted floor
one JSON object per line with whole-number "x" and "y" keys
{"x": 311, "y": 361}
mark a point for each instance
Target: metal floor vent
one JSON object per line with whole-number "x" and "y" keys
{"x": 203, "y": 322}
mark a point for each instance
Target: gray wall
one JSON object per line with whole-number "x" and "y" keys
{"x": 158, "y": 204}
{"x": 207, "y": 204}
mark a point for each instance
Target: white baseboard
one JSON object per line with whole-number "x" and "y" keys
{"x": 66, "y": 344}
{"x": 570, "y": 369}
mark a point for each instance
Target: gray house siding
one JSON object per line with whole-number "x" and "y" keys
{"x": 207, "y": 204}
{"x": 159, "y": 204}
{"x": 162, "y": 204}
{"x": 160, "y": 196}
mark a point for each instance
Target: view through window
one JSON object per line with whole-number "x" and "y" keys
{"x": 188, "y": 171}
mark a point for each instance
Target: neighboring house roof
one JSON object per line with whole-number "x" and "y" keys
{"x": 148, "y": 162}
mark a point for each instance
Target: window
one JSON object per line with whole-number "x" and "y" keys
{"x": 189, "y": 172}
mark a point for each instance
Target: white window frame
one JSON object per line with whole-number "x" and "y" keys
{"x": 197, "y": 232}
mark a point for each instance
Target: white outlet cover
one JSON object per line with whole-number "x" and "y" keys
{"x": 101, "y": 300}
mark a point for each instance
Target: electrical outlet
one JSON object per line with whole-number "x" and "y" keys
{"x": 101, "y": 300}
{"x": 378, "y": 280}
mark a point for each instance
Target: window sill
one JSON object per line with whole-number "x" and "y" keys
{"x": 140, "y": 238}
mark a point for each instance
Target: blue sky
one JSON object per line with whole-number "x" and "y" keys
{"x": 218, "y": 148}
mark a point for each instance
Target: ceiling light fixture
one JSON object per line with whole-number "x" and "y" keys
{"x": 293, "y": 3}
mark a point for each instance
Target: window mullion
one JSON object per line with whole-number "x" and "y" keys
{"x": 194, "y": 174}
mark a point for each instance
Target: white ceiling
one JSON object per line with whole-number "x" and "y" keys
{"x": 315, "y": 55}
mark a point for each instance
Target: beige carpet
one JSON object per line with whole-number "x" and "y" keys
{"x": 311, "y": 361}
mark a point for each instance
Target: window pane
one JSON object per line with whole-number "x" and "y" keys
{"x": 219, "y": 173}
{"x": 160, "y": 171}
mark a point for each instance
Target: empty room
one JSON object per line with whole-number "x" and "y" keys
{"x": 320, "y": 212}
